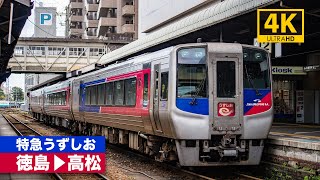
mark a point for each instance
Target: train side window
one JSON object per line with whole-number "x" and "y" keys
{"x": 130, "y": 86}
{"x": 226, "y": 79}
{"x": 109, "y": 94}
{"x": 164, "y": 85}
{"x": 118, "y": 93}
{"x": 87, "y": 92}
{"x": 145, "y": 89}
{"x": 64, "y": 97}
{"x": 101, "y": 94}
{"x": 93, "y": 95}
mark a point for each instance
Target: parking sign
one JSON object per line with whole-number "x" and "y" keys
{"x": 46, "y": 19}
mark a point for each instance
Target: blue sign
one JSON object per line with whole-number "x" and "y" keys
{"x": 46, "y": 19}
{"x": 53, "y": 144}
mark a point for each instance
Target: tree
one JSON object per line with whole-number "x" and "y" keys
{"x": 17, "y": 94}
{"x": 2, "y": 95}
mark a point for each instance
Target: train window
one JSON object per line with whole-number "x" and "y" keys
{"x": 64, "y": 97}
{"x": 164, "y": 86}
{"x": 192, "y": 73}
{"x": 130, "y": 91}
{"x": 255, "y": 69}
{"x": 93, "y": 95}
{"x": 118, "y": 93}
{"x": 145, "y": 90}
{"x": 226, "y": 79}
{"x": 109, "y": 93}
{"x": 87, "y": 92}
{"x": 101, "y": 94}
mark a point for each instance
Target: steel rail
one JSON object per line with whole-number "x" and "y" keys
{"x": 199, "y": 176}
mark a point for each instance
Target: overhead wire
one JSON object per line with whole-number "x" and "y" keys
{"x": 41, "y": 28}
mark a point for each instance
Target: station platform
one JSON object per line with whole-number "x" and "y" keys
{"x": 295, "y": 144}
{"x": 6, "y": 130}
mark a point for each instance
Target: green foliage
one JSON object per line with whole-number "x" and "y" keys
{"x": 17, "y": 94}
{"x": 2, "y": 95}
{"x": 311, "y": 178}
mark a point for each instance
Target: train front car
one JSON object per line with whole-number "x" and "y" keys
{"x": 223, "y": 103}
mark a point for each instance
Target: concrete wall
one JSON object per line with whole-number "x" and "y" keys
{"x": 46, "y": 30}
{"x": 153, "y": 13}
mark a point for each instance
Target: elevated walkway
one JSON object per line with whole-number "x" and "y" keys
{"x": 58, "y": 55}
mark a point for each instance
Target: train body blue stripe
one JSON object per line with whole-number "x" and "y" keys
{"x": 200, "y": 107}
{"x": 83, "y": 107}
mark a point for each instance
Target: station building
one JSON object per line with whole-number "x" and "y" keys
{"x": 295, "y": 67}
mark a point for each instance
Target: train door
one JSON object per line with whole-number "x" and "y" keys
{"x": 225, "y": 105}
{"x": 156, "y": 98}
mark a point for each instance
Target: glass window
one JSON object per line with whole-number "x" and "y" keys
{"x": 255, "y": 69}
{"x": 145, "y": 89}
{"x": 164, "y": 86}
{"x": 101, "y": 94}
{"x": 192, "y": 73}
{"x": 93, "y": 95}
{"x": 130, "y": 91}
{"x": 87, "y": 92}
{"x": 118, "y": 93}
{"x": 109, "y": 93}
{"x": 226, "y": 79}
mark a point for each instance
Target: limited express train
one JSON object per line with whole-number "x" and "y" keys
{"x": 202, "y": 104}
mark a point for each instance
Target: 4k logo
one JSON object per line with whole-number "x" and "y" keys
{"x": 280, "y": 25}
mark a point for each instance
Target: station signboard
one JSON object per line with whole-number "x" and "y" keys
{"x": 52, "y": 154}
{"x": 288, "y": 70}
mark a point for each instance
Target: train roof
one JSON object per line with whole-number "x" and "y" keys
{"x": 134, "y": 60}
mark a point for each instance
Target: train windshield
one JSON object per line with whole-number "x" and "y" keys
{"x": 256, "y": 69}
{"x": 192, "y": 72}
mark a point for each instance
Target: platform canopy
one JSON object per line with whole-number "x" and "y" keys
{"x": 215, "y": 14}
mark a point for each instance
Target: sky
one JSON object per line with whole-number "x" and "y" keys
{"x": 28, "y": 29}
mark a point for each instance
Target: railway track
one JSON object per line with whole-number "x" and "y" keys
{"x": 207, "y": 176}
{"x": 203, "y": 175}
{"x": 22, "y": 129}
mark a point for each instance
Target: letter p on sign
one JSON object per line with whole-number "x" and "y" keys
{"x": 46, "y": 19}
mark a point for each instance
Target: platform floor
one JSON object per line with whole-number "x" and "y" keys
{"x": 295, "y": 131}
{"x": 6, "y": 130}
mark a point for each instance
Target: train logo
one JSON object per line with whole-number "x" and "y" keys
{"x": 226, "y": 109}
{"x": 257, "y": 102}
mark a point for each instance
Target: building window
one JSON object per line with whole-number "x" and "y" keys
{"x": 92, "y": 16}
{"x": 96, "y": 52}
{"x": 36, "y": 51}
{"x": 56, "y": 51}
{"x": 19, "y": 51}
{"x": 76, "y": 51}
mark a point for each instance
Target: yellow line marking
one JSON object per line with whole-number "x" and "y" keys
{"x": 294, "y": 135}
{"x": 295, "y": 125}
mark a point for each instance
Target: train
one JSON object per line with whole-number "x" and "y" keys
{"x": 9, "y": 104}
{"x": 198, "y": 104}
